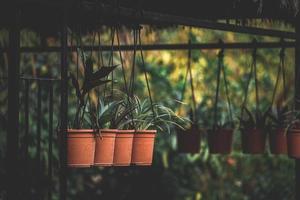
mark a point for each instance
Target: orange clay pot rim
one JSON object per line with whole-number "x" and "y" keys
{"x": 125, "y": 131}
{"x": 108, "y": 130}
{"x": 146, "y": 131}
{"x": 90, "y": 131}
{"x": 81, "y": 131}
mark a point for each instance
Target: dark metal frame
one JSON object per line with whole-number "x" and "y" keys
{"x": 14, "y": 51}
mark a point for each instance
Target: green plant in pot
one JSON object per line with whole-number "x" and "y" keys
{"x": 81, "y": 139}
{"x": 278, "y": 120}
{"x": 220, "y": 137}
{"x": 147, "y": 118}
{"x": 253, "y": 127}
{"x": 112, "y": 118}
{"x": 189, "y": 138}
{"x": 293, "y": 135}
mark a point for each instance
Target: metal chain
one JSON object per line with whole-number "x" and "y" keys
{"x": 218, "y": 88}
{"x": 146, "y": 76}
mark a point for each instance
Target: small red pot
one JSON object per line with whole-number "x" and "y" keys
{"x": 293, "y": 143}
{"x": 142, "y": 147}
{"x": 253, "y": 141}
{"x": 220, "y": 141}
{"x": 278, "y": 141}
{"x": 188, "y": 141}
{"x": 81, "y": 147}
{"x": 123, "y": 148}
{"x": 105, "y": 145}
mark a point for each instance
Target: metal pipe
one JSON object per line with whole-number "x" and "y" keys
{"x": 297, "y": 104}
{"x": 63, "y": 106}
{"x": 155, "y": 47}
{"x": 12, "y": 153}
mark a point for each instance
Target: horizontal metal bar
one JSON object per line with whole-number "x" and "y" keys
{"x": 155, "y": 47}
{"x": 159, "y": 18}
{"x": 34, "y": 78}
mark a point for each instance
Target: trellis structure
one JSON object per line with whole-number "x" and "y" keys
{"x": 42, "y": 15}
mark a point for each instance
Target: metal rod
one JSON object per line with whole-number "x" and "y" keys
{"x": 148, "y": 17}
{"x": 26, "y": 138}
{"x": 129, "y": 15}
{"x": 155, "y": 47}
{"x": 297, "y": 104}
{"x": 63, "y": 106}
{"x": 34, "y": 78}
{"x": 12, "y": 153}
{"x": 158, "y": 18}
{"x": 38, "y": 147}
{"x": 50, "y": 140}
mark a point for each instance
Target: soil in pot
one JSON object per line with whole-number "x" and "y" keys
{"x": 278, "y": 141}
{"x": 143, "y": 146}
{"x": 81, "y": 147}
{"x": 123, "y": 147}
{"x": 105, "y": 145}
{"x": 188, "y": 141}
{"x": 253, "y": 141}
{"x": 293, "y": 143}
{"x": 220, "y": 141}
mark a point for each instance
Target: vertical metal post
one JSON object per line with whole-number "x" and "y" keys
{"x": 12, "y": 154}
{"x": 38, "y": 138}
{"x": 50, "y": 139}
{"x": 297, "y": 103}
{"x": 26, "y": 140}
{"x": 63, "y": 106}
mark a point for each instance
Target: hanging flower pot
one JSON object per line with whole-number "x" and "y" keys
{"x": 143, "y": 146}
{"x": 189, "y": 140}
{"x": 280, "y": 114}
{"x": 105, "y": 145}
{"x": 220, "y": 140}
{"x": 81, "y": 147}
{"x": 293, "y": 143}
{"x": 278, "y": 141}
{"x": 123, "y": 147}
{"x": 220, "y": 136}
{"x": 253, "y": 141}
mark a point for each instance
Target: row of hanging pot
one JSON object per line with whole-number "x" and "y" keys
{"x": 281, "y": 141}
{"x": 109, "y": 147}
{"x": 279, "y": 122}
{"x": 119, "y": 129}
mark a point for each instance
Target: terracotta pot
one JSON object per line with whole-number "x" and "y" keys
{"x": 81, "y": 147}
{"x": 105, "y": 144}
{"x": 188, "y": 141}
{"x": 220, "y": 141}
{"x": 253, "y": 141}
{"x": 293, "y": 143}
{"x": 278, "y": 142}
{"x": 143, "y": 146}
{"x": 123, "y": 148}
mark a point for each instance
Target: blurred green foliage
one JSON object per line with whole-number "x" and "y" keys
{"x": 172, "y": 176}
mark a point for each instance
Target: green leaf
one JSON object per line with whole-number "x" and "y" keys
{"x": 103, "y": 72}
{"x": 77, "y": 88}
{"x": 88, "y": 69}
{"x": 89, "y": 85}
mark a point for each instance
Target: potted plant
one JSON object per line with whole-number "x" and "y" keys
{"x": 279, "y": 118}
{"x": 253, "y": 129}
{"x": 116, "y": 116}
{"x": 106, "y": 134}
{"x": 189, "y": 138}
{"x": 147, "y": 119}
{"x": 220, "y": 138}
{"x": 293, "y": 135}
{"x": 81, "y": 141}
